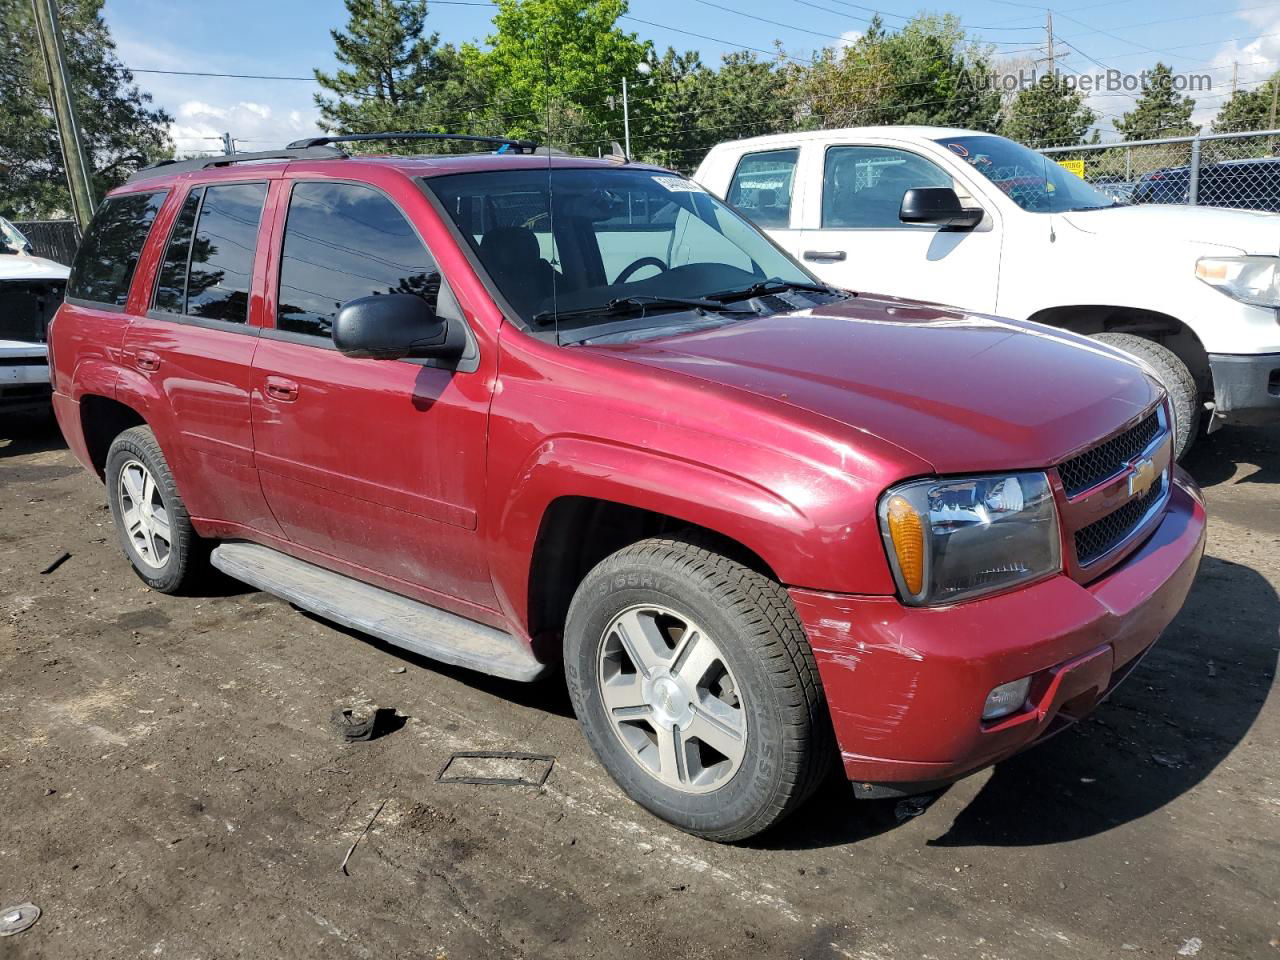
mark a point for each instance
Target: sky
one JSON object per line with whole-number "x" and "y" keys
{"x": 288, "y": 38}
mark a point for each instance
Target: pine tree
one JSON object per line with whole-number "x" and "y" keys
{"x": 1248, "y": 109}
{"x": 120, "y": 127}
{"x": 1160, "y": 112}
{"x": 1049, "y": 113}
{"x": 395, "y": 76}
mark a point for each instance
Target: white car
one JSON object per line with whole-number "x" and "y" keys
{"x": 981, "y": 222}
{"x": 31, "y": 288}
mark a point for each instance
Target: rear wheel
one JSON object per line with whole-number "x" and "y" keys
{"x": 151, "y": 519}
{"x": 1174, "y": 376}
{"x": 696, "y": 687}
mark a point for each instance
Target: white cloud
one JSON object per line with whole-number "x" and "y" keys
{"x": 259, "y": 114}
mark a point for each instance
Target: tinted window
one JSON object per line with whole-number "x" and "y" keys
{"x": 109, "y": 252}
{"x": 343, "y": 241}
{"x": 863, "y": 186}
{"x": 761, "y": 187}
{"x": 222, "y": 252}
{"x": 171, "y": 288}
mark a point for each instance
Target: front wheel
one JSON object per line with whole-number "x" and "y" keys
{"x": 696, "y": 687}
{"x": 1174, "y": 376}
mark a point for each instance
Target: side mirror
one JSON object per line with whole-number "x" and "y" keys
{"x": 395, "y": 326}
{"x": 938, "y": 205}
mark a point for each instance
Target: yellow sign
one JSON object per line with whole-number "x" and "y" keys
{"x": 1075, "y": 166}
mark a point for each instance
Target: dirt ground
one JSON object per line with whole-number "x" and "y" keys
{"x": 170, "y": 787}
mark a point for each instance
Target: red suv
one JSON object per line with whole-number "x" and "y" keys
{"x": 526, "y": 412}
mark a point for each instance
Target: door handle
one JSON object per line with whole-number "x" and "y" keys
{"x": 278, "y": 388}
{"x": 146, "y": 361}
{"x": 824, "y": 254}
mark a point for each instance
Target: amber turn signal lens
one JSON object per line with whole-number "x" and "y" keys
{"x": 907, "y": 533}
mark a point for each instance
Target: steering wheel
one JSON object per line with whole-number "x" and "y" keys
{"x": 631, "y": 268}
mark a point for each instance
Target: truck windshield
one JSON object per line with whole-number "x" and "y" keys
{"x": 11, "y": 241}
{"x": 1031, "y": 180}
{"x": 611, "y": 240}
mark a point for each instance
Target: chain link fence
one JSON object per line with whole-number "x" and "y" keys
{"x": 1239, "y": 170}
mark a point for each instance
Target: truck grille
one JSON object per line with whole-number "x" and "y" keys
{"x": 1102, "y": 536}
{"x": 1107, "y": 459}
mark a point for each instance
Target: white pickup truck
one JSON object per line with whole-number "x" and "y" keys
{"x": 979, "y": 221}
{"x": 31, "y": 288}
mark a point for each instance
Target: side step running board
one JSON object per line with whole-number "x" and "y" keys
{"x": 398, "y": 620}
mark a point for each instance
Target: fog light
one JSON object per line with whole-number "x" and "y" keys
{"x": 1006, "y": 699}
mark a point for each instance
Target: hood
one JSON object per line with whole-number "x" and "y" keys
{"x": 16, "y": 267}
{"x": 1243, "y": 231}
{"x": 964, "y": 392}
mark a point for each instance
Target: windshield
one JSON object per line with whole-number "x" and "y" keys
{"x": 11, "y": 241}
{"x": 1031, "y": 180}
{"x": 611, "y": 235}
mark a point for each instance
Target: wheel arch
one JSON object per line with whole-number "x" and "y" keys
{"x": 1162, "y": 328}
{"x": 102, "y": 419}
{"x": 577, "y": 532}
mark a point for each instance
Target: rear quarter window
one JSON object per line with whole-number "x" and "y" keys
{"x": 104, "y": 265}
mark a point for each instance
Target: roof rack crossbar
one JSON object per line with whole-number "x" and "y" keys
{"x": 164, "y": 168}
{"x": 520, "y": 146}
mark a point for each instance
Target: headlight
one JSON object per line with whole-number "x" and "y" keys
{"x": 959, "y": 538}
{"x": 1253, "y": 280}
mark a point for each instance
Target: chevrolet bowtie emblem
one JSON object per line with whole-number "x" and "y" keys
{"x": 1143, "y": 475}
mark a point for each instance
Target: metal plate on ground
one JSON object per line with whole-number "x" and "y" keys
{"x": 18, "y": 918}
{"x": 497, "y": 769}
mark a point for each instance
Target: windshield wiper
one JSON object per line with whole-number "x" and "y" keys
{"x": 772, "y": 285}
{"x": 624, "y": 305}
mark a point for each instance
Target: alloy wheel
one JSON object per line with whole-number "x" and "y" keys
{"x": 671, "y": 698}
{"x": 144, "y": 515}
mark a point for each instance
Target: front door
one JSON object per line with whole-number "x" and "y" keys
{"x": 377, "y": 463}
{"x": 854, "y": 239}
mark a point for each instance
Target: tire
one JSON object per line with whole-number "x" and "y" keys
{"x": 1174, "y": 376}
{"x": 166, "y": 557}
{"x": 764, "y": 685}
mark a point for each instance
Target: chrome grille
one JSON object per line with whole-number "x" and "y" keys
{"x": 1107, "y": 459}
{"x": 1102, "y": 536}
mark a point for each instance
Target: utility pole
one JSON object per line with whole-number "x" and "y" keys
{"x": 626, "y": 119}
{"x": 1048, "y": 31}
{"x": 227, "y": 146}
{"x": 1275, "y": 100}
{"x": 79, "y": 181}
{"x": 1235, "y": 75}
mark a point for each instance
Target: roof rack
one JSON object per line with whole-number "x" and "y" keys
{"x": 164, "y": 168}
{"x": 520, "y": 146}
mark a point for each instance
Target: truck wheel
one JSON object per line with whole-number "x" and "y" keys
{"x": 1184, "y": 395}
{"x": 150, "y": 517}
{"x": 696, "y": 687}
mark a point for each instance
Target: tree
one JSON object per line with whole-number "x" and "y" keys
{"x": 1161, "y": 111}
{"x": 1049, "y": 113}
{"x": 1248, "y": 109}
{"x": 565, "y": 56}
{"x": 395, "y": 76}
{"x": 929, "y": 72}
{"x": 120, "y": 128}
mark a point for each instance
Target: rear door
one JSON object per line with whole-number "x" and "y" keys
{"x": 377, "y": 464}
{"x": 853, "y": 238}
{"x": 195, "y": 346}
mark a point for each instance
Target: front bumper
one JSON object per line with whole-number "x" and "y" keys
{"x": 1246, "y": 387}
{"x": 24, "y": 382}
{"x": 906, "y": 685}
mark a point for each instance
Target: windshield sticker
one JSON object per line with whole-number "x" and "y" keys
{"x": 678, "y": 185}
